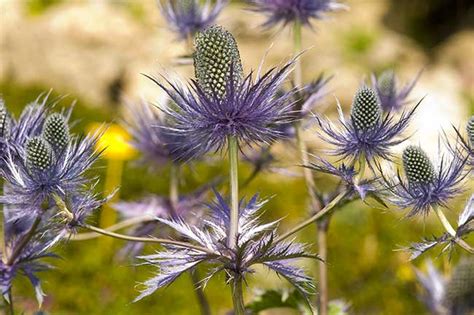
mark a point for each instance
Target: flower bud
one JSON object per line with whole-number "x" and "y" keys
{"x": 216, "y": 60}
{"x": 56, "y": 131}
{"x": 366, "y": 110}
{"x": 39, "y": 155}
{"x": 418, "y": 167}
{"x": 387, "y": 83}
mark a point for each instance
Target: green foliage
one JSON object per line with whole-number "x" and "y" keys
{"x": 37, "y": 7}
{"x": 269, "y": 299}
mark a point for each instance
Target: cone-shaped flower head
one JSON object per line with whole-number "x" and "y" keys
{"x": 460, "y": 289}
{"x": 425, "y": 186}
{"x": 56, "y": 131}
{"x": 4, "y": 121}
{"x": 366, "y": 111}
{"x": 369, "y": 132}
{"x": 417, "y": 165}
{"x": 470, "y": 131}
{"x": 216, "y": 60}
{"x": 39, "y": 155}
{"x": 222, "y": 103}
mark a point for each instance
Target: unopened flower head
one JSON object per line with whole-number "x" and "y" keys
{"x": 4, "y": 121}
{"x": 424, "y": 185}
{"x": 56, "y": 131}
{"x": 369, "y": 133}
{"x": 222, "y": 104}
{"x": 460, "y": 289}
{"x": 470, "y": 131}
{"x": 289, "y": 11}
{"x": 393, "y": 97}
{"x": 256, "y": 245}
{"x": 187, "y": 17}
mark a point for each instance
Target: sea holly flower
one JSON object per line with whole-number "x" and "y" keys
{"x": 425, "y": 186}
{"x": 52, "y": 162}
{"x": 187, "y": 17}
{"x": 289, "y": 11}
{"x": 465, "y": 144}
{"x": 368, "y": 133}
{"x": 222, "y": 103}
{"x": 392, "y": 97}
{"x": 255, "y": 245}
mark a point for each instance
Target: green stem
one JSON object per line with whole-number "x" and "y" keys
{"x": 24, "y": 241}
{"x": 298, "y": 76}
{"x": 323, "y": 296}
{"x": 10, "y": 307}
{"x": 201, "y": 297}
{"x": 237, "y": 296}
{"x": 146, "y": 239}
{"x": 118, "y": 226}
{"x": 449, "y": 228}
{"x": 174, "y": 186}
{"x": 234, "y": 191}
{"x": 362, "y": 167}
{"x": 322, "y": 213}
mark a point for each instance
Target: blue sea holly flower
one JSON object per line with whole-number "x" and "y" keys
{"x": 255, "y": 245}
{"x": 392, "y": 97}
{"x": 289, "y": 11}
{"x": 187, "y": 17}
{"x": 465, "y": 144}
{"x": 222, "y": 103}
{"x": 53, "y": 162}
{"x": 425, "y": 186}
{"x": 368, "y": 133}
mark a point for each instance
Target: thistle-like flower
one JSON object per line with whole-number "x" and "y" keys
{"x": 50, "y": 162}
{"x": 256, "y": 245}
{"x": 425, "y": 186}
{"x": 288, "y": 11}
{"x": 222, "y": 103}
{"x": 368, "y": 133}
{"x": 465, "y": 144}
{"x": 187, "y": 17}
{"x": 392, "y": 97}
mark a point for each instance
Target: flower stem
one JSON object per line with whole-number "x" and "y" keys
{"x": 174, "y": 187}
{"x": 234, "y": 192}
{"x": 201, "y": 297}
{"x": 10, "y": 307}
{"x": 323, "y": 296}
{"x": 237, "y": 296}
{"x": 24, "y": 241}
{"x": 146, "y": 239}
{"x": 298, "y": 76}
{"x": 322, "y": 213}
{"x": 118, "y": 226}
{"x": 449, "y": 228}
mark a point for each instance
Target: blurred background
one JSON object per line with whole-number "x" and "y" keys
{"x": 96, "y": 51}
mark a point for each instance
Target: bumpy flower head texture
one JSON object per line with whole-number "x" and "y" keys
{"x": 187, "y": 17}
{"x": 56, "y": 131}
{"x": 289, "y": 11}
{"x": 369, "y": 132}
{"x": 221, "y": 103}
{"x": 366, "y": 112}
{"x": 424, "y": 185}
{"x": 39, "y": 155}
{"x": 460, "y": 289}
{"x": 418, "y": 167}
{"x": 217, "y": 61}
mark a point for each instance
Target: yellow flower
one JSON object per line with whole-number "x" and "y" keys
{"x": 115, "y": 140}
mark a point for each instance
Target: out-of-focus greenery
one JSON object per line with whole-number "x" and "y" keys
{"x": 364, "y": 267}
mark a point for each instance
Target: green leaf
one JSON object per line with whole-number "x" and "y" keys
{"x": 268, "y": 299}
